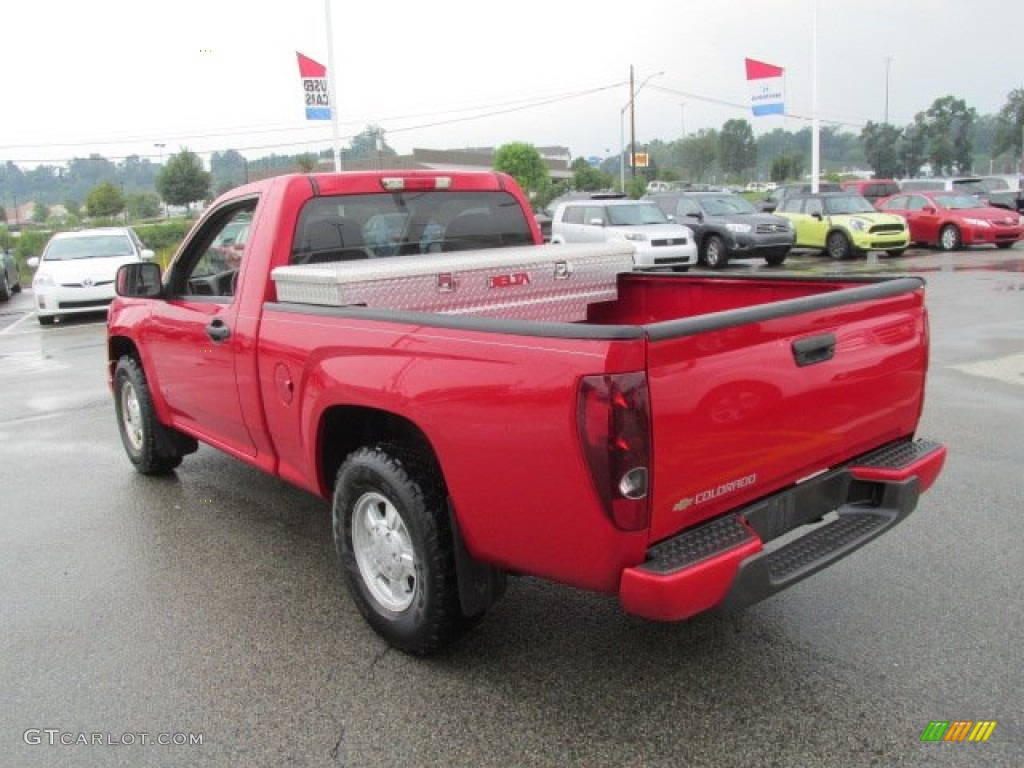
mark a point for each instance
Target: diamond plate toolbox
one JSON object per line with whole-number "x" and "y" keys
{"x": 553, "y": 283}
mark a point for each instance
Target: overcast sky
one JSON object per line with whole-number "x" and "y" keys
{"x": 117, "y": 78}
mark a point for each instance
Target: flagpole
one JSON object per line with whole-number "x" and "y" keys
{"x": 815, "y": 133}
{"x": 332, "y": 91}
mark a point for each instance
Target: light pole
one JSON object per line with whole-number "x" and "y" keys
{"x": 632, "y": 140}
{"x": 888, "y": 64}
{"x": 160, "y": 147}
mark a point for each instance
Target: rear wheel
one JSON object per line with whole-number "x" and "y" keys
{"x": 894, "y": 254}
{"x": 46, "y": 319}
{"x": 1004, "y": 246}
{"x": 5, "y": 288}
{"x": 391, "y": 532}
{"x": 838, "y": 246}
{"x": 716, "y": 255}
{"x": 949, "y": 238}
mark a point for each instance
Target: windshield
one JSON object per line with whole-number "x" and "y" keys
{"x": 727, "y": 205}
{"x": 848, "y": 204}
{"x": 632, "y": 215}
{"x": 89, "y": 247}
{"x": 959, "y": 202}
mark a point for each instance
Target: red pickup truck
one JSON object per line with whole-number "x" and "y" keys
{"x": 476, "y": 403}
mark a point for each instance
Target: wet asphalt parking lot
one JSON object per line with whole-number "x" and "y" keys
{"x": 206, "y": 610}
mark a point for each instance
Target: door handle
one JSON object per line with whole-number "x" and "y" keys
{"x": 218, "y": 330}
{"x": 815, "y": 349}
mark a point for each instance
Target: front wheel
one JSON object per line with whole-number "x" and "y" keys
{"x": 151, "y": 451}
{"x": 775, "y": 258}
{"x": 5, "y": 288}
{"x": 838, "y": 246}
{"x": 391, "y": 532}
{"x": 716, "y": 255}
{"x": 949, "y": 238}
{"x": 1004, "y": 245}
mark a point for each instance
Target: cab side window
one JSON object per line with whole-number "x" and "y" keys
{"x": 210, "y": 267}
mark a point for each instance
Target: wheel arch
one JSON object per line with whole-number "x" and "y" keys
{"x": 345, "y": 428}
{"x": 118, "y": 347}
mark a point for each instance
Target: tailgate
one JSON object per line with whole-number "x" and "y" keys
{"x": 747, "y": 402}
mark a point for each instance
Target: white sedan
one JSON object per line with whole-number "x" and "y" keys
{"x": 76, "y": 272}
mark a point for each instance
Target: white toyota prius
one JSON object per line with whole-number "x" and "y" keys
{"x": 76, "y": 272}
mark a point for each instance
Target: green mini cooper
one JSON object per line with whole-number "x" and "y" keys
{"x": 843, "y": 225}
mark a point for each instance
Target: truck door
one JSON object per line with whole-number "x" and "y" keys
{"x": 192, "y": 337}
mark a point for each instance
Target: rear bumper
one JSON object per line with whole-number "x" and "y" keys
{"x": 746, "y": 556}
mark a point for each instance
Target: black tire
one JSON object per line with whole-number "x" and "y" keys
{"x": 392, "y": 535}
{"x": 776, "y": 258}
{"x": 837, "y": 245}
{"x": 895, "y": 254}
{"x": 715, "y": 254}
{"x": 46, "y": 319}
{"x": 1003, "y": 246}
{"x": 5, "y": 288}
{"x": 145, "y": 441}
{"x": 950, "y": 238}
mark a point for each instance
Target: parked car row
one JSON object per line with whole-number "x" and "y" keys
{"x": 657, "y": 241}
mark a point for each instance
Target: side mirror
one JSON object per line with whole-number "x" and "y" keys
{"x": 928, "y": 209}
{"x": 33, "y": 262}
{"x": 817, "y": 215}
{"x": 140, "y": 280}
{"x": 147, "y": 254}
{"x": 695, "y": 215}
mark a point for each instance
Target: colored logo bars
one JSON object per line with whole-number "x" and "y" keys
{"x": 958, "y": 730}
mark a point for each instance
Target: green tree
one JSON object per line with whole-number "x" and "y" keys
{"x": 880, "y": 142}
{"x": 105, "y": 199}
{"x": 183, "y": 180}
{"x": 782, "y": 168}
{"x": 947, "y": 128}
{"x": 73, "y": 207}
{"x": 523, "y": 163}
{"x": 912, "y": 149}
{"x": 142, "y": 205}
{"x": 587, "y": 178}
{"x": 737, "y": 149}
{"x": 306, "y": 163}
{"x": 369, "y": 145}
{"x": 699, "y": 151}
{"x": 636, "y": 187}
{"x": 1009, "y": 135}
{"x": 40, "y": 213}
{"x": 228, "y": 169}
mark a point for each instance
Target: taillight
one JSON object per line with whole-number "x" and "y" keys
{"x": 613, "y": 418}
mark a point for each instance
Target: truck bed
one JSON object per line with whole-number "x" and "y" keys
{"x": 755, "y": 383}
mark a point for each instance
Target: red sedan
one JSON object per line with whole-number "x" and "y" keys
{"x": 953, "y": 220}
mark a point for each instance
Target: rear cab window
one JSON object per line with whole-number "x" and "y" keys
{"x": 405, "y": 223}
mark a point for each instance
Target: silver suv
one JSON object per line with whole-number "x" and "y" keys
{"x": 656, "y": 241}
